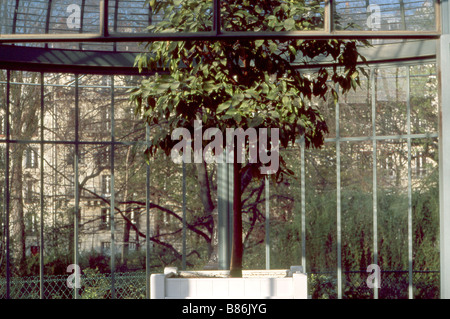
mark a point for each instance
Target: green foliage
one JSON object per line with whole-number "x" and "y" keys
{"x": 240, "y": 83}
{"x": 98, "y": 285}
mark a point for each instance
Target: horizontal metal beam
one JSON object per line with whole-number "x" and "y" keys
{"x": 68, "y": 61}
{"x": 213, "y": 36}
{"x": 110, "y": 62}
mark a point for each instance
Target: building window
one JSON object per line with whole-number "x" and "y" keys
{"x": 104, "y": 218}
{"x": 2, "y": 127}
{"x": 420, "y": 163}
{"x": 31, "y": 158}
{"x": 106, "y": 185}
{"x": 105, "y": 247}
{"x": 390, "y": 166}
{"x": 135, "y": 216}
{"x": 29, "y": 190}
{"x": 103, "y": 158}
{"x": 32, "y": 227}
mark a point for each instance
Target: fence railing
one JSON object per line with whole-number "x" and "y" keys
{"x": 393, "y": 285}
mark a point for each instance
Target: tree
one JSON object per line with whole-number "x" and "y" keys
{"x": 241, "y": 83}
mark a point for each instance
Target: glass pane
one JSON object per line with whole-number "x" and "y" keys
{"x": 30, "y": 17}
{"x": 59, "y": 103}
{"x": 128, "y": 127}
{"x": 321, "y": 211}
{"x": 130, "y": 197}
{"x": 273, "y": 16}
{"x": 285, "y": 215}
{"x": 424, "y": 99}
{"x": 59, "y": 190}
{"x": 129, "y": 16}
{"x": 356, "y": 217}
{"x": 177, "y": 16}
{"x": 327, "y": 109}
{"x": 94, "y": 94}
{"x": 425, "y": 209}
{"x": 25, "y": 105}
{"x": 411, "y": 15}
{"x": 356, "y": 104}
{"x": 24, "y": 212}
{"x": 392, "y": 208}
{"x": 391, "y": 101}
{"x": 7, "y": 8}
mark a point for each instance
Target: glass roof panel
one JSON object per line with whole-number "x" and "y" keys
{"x": 129, "y": 16}
{"x": 127, "y": 20}
{"x": 308, "y": 15}
{"x": 385, "y": 15}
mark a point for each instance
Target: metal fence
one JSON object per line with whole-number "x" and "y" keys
{"x": 393, "y": 285}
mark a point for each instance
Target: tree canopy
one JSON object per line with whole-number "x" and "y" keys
{"x": 242, "y": 83}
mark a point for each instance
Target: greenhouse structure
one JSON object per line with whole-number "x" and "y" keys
{"x": 87, "y": 213}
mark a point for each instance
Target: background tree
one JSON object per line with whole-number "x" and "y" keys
{"x": 241, "y": 83}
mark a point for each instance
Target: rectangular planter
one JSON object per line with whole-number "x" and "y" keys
{"x": 256, "y": 284}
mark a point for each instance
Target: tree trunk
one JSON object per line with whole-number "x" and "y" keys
{"x": 237, "y": 247}
{"x": 211, "y": 212}
{"x": 17, "y": 210}
{"x": 127, "y": 225}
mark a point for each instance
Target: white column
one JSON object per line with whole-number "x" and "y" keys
{"x": 444, "y": 164}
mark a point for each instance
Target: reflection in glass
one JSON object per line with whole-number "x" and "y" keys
{"x": 305, "y": 15}
{"x": 391, "y": 101}
{"x": 411, "y": 15}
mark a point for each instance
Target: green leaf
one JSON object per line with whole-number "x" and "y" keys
{"x": 292, "y": 50}
{"x": 223, "y": 106}
{"x": 237, "y": 99}
{"x": 289, "y": 24}
{"x": 259, "y": 43}
{"x": 256, "y": 121}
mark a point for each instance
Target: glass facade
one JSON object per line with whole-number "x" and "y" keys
{"x": 76, "y": 188}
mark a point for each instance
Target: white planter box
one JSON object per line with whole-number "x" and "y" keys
{"x": 255, "y": 284}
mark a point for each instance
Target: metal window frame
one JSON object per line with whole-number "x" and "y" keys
{"x": 217, "y": 34}
{"x": 104, "y": 34}
{"x": 338, "y": 140}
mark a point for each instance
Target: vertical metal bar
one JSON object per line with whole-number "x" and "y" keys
{"x": 338, "y": 205}
{"x": 410, "y": 238}
{"x": 16, "y": 11}
{"x": 402, "y": 15}
{"x": 438, "y": 12}
{"x": 374, "y": 175}
{"x": 328, "y": 16}
{"x": 116, "y": 14}
{"x": 303, "y": 199}
{"x": 7, "y": 186}
{"x": 77, "y": 189}
{"x": 266, "y": 181}
{"x": 112, "y": 190}
{"x": 41, "y": 232}
{"x": 443, "y": 64}
{"x": 47, "y": 20}
{"x": 103, "y": 24}
{"x": 444, "y": 164}
{"x": 184, "y": 217}
{"x": 83, "y": 3}
{"x": 216, "y": 17}
{"x": 230, "y": 168}
{"x": 147, "y": 215}
{"x": 223, "y": 210}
